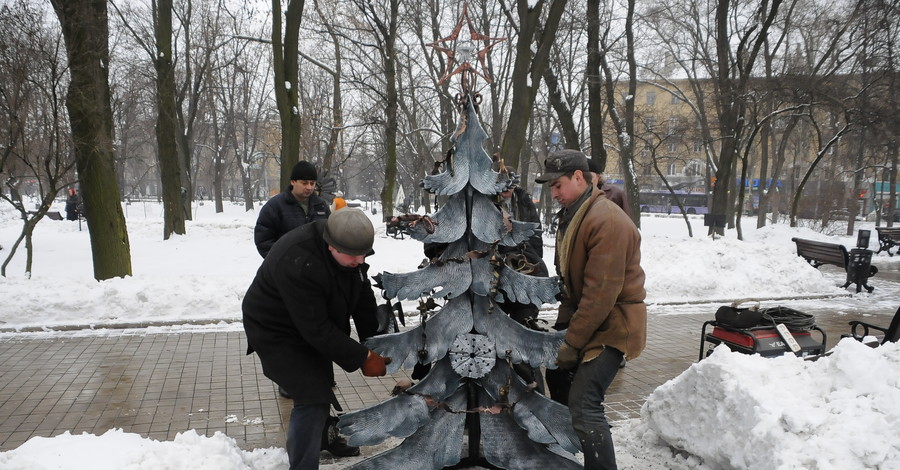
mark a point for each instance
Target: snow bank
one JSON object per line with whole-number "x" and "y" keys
{"x": 748, "y": 412}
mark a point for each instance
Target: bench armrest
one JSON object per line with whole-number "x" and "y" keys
{"x": 855, "y": 325}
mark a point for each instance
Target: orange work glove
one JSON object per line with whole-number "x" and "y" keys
{"x": 374, "y": 365}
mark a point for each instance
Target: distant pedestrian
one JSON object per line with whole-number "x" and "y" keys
{"x": 72, "y": 205}
{"x": 297, "y": 205}
{"x": 338, "y": 202}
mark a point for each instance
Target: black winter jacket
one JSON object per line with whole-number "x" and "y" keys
{"x": 524, "y": 211}
{"x": 281, "y": 214}
{"x": 297, "y": 315}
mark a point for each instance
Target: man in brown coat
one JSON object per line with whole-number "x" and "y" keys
{"x": 598, "y": 256}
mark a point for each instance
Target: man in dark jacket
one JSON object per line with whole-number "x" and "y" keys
{"x": 298, "y": 204}
{"x": 297, "y": 317}
{"x": 613, "y": 193}
{"x": 526, "y": 258}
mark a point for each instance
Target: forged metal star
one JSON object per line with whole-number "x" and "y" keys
{"x": 461, "y": 53}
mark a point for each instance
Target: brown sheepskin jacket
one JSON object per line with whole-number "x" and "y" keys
{"x": 599, "y": 259}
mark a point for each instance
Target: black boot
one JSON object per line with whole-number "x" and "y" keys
{"x": 333, "y": 442}
{"x": 283, "y": 392}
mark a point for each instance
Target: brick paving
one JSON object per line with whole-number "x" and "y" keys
{"x": 160, "y": 384}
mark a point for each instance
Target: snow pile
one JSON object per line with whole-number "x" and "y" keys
{"x": 748, "y": 412}
{"x": 682, "y": 269}
{"x": 118, "y": 450}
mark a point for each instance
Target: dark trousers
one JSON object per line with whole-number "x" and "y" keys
{"x": 304, "y": 439}
{"x": 559, "y": 382}
{"x": 592, "y": 379}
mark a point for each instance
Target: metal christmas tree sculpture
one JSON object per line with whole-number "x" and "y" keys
{"x": 471, "y": 389}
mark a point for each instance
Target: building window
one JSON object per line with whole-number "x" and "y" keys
{"x": 651, "y": 98}
{"x": 675, "y": 99}
{"x": 698, "y": 146}
{"x": 693, "y": 168}
{"x": 673, "y": 146}
{"x": 673, "y": 125}
{"x": 650, "y": 122}
{"x": 671, "y": 169}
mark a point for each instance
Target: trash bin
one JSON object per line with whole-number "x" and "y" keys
{"x": 860, "y": 269}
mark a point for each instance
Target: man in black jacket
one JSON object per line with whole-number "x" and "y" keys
{"x": 297, "y": 317}
{"x": 297, "y": 205}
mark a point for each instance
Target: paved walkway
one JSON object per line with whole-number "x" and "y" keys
{"x": 160, "y": 384}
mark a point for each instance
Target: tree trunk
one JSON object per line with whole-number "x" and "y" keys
{"x": 286, "y": 77}
{"x": 894, "y": 151}
{"x": 166, "y": 126}
{"x": 389, "y": 32}
{"x": 594, "y": 85}
{"x": 563, "y": 111}
{"x": 86, "y": 31}
{"x": 527, "y": 71}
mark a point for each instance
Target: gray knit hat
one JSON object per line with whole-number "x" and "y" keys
{"x": 350, "y": 231}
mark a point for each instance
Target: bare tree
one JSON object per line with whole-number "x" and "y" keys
{"x": 622, "y": 117}
{"x": 36, "y": 147}
{"x": 382, "y": 24}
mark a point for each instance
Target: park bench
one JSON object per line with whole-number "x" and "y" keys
{"x": 888, "y": 237}
{"x": 52, "y": 215}
{"x": 819, "y": 253}
{"x": 860, "y": 330}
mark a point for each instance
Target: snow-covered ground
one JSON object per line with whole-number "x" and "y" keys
{"x": 730, "y": 411}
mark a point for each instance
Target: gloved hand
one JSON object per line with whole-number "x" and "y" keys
{"x": 374, "y": 365}
{"x": 567, "y": 357}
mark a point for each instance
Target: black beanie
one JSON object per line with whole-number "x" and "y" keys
{"x": 304, "y": 171}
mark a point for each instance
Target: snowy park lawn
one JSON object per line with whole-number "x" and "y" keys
{"x": 728, "y": 411}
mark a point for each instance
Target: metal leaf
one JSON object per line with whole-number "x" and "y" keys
{"x": 436, "y": 445}
{"x": 482, "y": 176}
{"x": 453, "y": 279}
{"x": 541, "y": 416}
{"x": 526, "y": 289}
{"x": 488, "y": 226}
{"x": 545, "y": 420}
{"x": 470, "y": 164}
{"x": 450, "y": 222}
{"x": 507, "y": 445}
{"x": 484, "y": 275}
{"x": 403, "y": 415}
{"x": 434, "y": 336}
{"x": 535, "y": 348}
{"x": 399, "y": 416}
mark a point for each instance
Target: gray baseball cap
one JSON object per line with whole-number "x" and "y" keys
{"x": 350, "y": 231}
{"x": 562, "y": 162}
